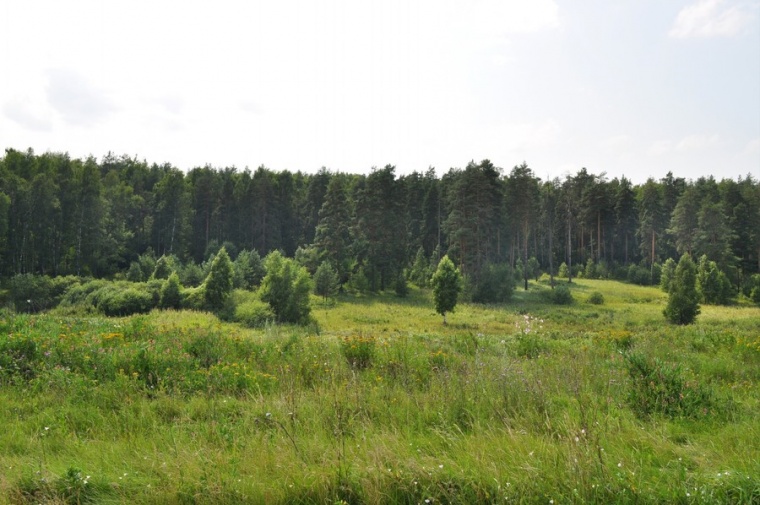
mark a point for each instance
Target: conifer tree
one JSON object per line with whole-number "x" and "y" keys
{"x": 447, "y": 284}
{"x": 683, "y": 301}
{"x": 218, "y": 284}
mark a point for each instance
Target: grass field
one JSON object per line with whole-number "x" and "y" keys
{"x": 379, "y": 402}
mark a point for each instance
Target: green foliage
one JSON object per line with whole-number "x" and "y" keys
{"x": 712, "y": 284}
{"x": 660, "y": 388}
{"x": 667, "y": 275}
{"x": 254, "y": 314}
{"x": 754, "y": 293}
{"x": 358, "y": 281}
{"x": 30, "y": 293}
{"x": 135, "y": 274}
{"x": 124, "y": 302}
{"x": 639, "y": 274}
{"x": 359, "y": 350}
{"x": 326, "y": 280}
{"x": 191, "y": 274}
{"x": 308, "y": 257}
{"x": 447, "y": 284}
{"x": 496, "y": 284}
{"x": 400, "y": 286}
{"x": 419, "y": 274}
{"x": 595, "y": 298}
{"x": 193, "y": 298}
{"x": 590, "y": 271}
{"x": 561, "y": 295}
{"x": 563, "y": 271}
{"x": 218, "y": 285}
{"x": 171, "y": 289}
{"x": 534, "y": 268}
{"x": 286, "y": 288}
{"x": 163, "y": 268}
{"x": 683, "y": 300}
{"x": 248, "y": 270}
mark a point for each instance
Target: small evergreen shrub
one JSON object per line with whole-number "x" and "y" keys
{"x": 193, "y": 298}
{"x": 496, "y": 284}
{"x": 561, "y": 295}
{"x": 124, "y": 302}
{"x": 171, "y": 297}
{"x": 563, "y": 271}
{"x": 596, "y": 298}
{"x": 254, "y": 314}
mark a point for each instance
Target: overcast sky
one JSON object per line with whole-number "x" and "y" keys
{"x": 627, "y": 87}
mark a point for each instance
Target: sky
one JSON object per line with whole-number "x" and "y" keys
{"x": 633, "y": 88}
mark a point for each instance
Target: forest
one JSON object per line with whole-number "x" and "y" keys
{"x": 61, "y": 216}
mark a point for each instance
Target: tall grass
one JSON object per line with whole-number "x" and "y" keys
{"x": 381, "y": 403}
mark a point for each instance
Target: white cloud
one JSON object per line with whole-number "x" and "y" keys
{"x": 75, "y": 99}
{"x": 29, "y": 113}
{"x": 660, "y": 147}
{"x": 710, "y": 18}
{"x": 699, "y": 142}
{"x": 752, "y": 147}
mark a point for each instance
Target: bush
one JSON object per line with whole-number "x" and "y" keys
{"x": 668, "y": 272}
{"x": 563, "y": 271}
{"x": 561, "y": 295}
{"x": 400, "y": 286}
{"x": 683, "y": 300}
{"x": 713, "y": 285}
{"x": 217, "y": 287}
{"x": 31, "y": 293}
{"x": 596, "y": 298}
{"x": 754, "y": 293}
{"x": 124, "y": 302}
{"x": 659, "y": 388}
{"x": 326, "y": 280}
{"x": 358, "y": 350}
{"x": 254, "y": 314}
{"x": 358, "y": 281}
{"x": 286, "y": 289}
{"x": 496, "y": 284}
{"x": 171, "y": 297}
{"x": 193, "y": 298}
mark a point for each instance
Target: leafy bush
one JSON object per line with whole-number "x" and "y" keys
{"x": 31, "y": 293}
{"x": 326, "y": 280}
{"x": 668, "y": 272}
{"x": 286, "y": 288}
{"x": 358, "y": 281}
{"x": 561, "y": 295}
{"x": 171, "y": 297}
{"x": 254, "y": 314}
{"x": 193, "y": 298}
{"x": 496, "y": 284}
{"x": 596, "y": 298}
{"x": 659, "y": 388}
{"x": 754, "y": 293}
{"x": 713, "y": 285}
{"x": 400, "y": 286}
{"x": 358, "y": 350}
{"x": 683, "y": 300}
{"x": 124, "y": 302}
{"x": 563, "y": 271}
{"x": 217, "y": 287}
{"x": 248, "y": 270}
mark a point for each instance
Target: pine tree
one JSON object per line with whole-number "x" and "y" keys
{"x": 683, "y": 301}
{"x": 170, "y": 292}
{"x": 218, "y": 284}
{"x": 447, "y": 284}
{"x": 326, "y": 280}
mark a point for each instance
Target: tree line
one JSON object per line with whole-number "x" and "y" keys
{"x": 63, "y": 216}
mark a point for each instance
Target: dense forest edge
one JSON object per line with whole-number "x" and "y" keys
{"x": 64, "y": 220}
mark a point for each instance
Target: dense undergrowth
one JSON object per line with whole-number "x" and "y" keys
{"x": 377, "y": 402}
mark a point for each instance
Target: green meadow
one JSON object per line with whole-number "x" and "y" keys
{"x": 378, "y": 402}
